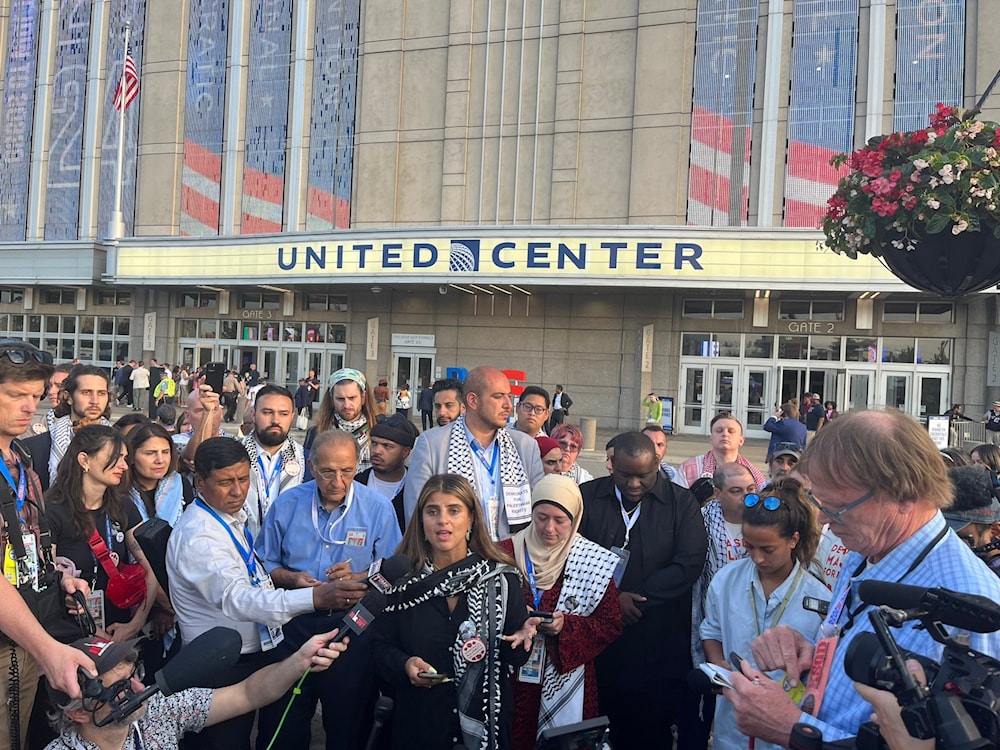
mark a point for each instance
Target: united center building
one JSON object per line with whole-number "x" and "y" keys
{"x": 617, "y": 197}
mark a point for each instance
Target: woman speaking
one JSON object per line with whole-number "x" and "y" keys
{"x": 571, "y": 578}
{"x": 451, "y": 630}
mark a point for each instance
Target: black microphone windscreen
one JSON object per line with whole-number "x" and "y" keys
{"x": 198, "y": 664}
{"x": 396, "y": 567}
{"x": 383, "y": 707}
{"x": 895, "y": 595}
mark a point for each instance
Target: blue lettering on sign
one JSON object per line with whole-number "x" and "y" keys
{"x": 579, "y": 260}
{"x": 537, "y": 255}
{"x": 390, "y": 255}
{"x": 687, "y": 252}
{"x": 497, "y": 261}
{"x": 318, "y": 258}
{"x": 432, "y": 255}
{"x": 287, "y": 265}
{"x": 362, "y": 249}
{"x": 613, "y": 248}
{"x": 456, "y": 373}
{"x": 645, "y": 259}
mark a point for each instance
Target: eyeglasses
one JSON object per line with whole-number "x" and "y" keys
{"x": 571, "y": 447}
{"x": 18, "y": 354}
{"x": 837, "y": 515}
{"x": 531, "y": 408}
{"x": 328, "y": 475}
{"x": 771, "y": 502}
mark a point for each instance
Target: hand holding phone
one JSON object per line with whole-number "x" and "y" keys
{"x": 545, "y": 617}
{"x": 435, "y": 676}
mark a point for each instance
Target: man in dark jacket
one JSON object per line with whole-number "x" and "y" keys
{"x": 656, "y": 528}
{"x": 425, "y": 402}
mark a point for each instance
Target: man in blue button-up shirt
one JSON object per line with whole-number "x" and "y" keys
{"x": 328, "y": 529}
{"x": 879, "y": 480}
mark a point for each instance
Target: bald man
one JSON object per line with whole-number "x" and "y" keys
{"x": 501, "y": 465}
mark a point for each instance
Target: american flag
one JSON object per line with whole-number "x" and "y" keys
{"x": 128, "y": 84}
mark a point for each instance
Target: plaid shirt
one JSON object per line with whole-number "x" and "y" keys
{"x": 950, "y": 564}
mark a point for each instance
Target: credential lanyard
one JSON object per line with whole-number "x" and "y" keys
{"x": 245, "y": 552}
{"x": 781, "y": 607}
{"x": 269, "y": 481}
{"x": 630, "y": 519}
{"x": 326, "y": 533}
{"x": 536, "y": 593}
{"x": 21, "y": 488}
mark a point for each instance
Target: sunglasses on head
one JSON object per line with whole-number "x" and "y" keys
{"x": 19, "y": 352}
{"x": 770, "y": 503}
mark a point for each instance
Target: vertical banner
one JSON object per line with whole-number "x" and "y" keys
{"x": 646, "y": 364}
{"x": 134, "y": 13}
{"x": 993, "y": 361}
{"x": 69, "y": 98}
{"x": 371, "y": 339}
{"x": 331, "y": 134}
{"x": 821, "y": 105}
{"x": 930, "y": 59}
{"x": 204, "y": 105}
{"x": 16, "y": 115}
{"x": 269, "y": 73}
{"x": 149, "y": 332}
{"x": 725, "y": 59}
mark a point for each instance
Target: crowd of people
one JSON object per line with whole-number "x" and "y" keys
{"x": 535, "y": 595}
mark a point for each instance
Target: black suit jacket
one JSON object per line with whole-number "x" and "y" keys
{"x": 667, "y": 549}
{"x": 40, "y": 446}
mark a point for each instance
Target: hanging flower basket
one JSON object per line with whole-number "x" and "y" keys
{"x": 926, "y": 203}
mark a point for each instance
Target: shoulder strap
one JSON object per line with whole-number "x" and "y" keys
{"x": 8, "y": 509}
{"x": 100, "y": 550}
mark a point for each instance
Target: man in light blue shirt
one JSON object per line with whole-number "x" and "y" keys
{"x": 328, "y": 529}
{"x": 879, "y": 480}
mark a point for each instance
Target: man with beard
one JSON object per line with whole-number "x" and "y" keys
{"x": 348, "y": 405}
{"x": 392, "y": 440}
{"x": 501, "y": 465}
{"x": 276, "y": 461}
{"x": 448, "y": 404}
{"x": 85, "y": 401}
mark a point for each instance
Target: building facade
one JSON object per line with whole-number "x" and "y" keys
{"x": 620, "y": 197}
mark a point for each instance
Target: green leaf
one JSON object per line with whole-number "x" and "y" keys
{"x": 939, "y": 220}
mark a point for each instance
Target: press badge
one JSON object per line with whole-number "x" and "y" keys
{"x": 517, "y": 503}
{"x": 25, "y": 572}
{"x": 270, "y": 635}
{"x": 531, "y": 672}
{"x": 623, "y": 555}
{"x": 356, "y": 537}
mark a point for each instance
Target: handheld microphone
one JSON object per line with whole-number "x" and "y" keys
{"x": 360, "y": 616}
{"x": 383, "y": 707}
{"x": 196, "y": 665}
{"x": 964, "y": 611}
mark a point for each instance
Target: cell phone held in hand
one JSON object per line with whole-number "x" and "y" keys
{"x": 434, "y": 676}
{"x": 545, "y": 617}
{"x": 214, "y": 374}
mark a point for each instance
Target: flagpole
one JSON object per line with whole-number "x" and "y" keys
{"x": 116, "y": 228}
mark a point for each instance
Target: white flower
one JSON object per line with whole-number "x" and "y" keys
{"x": 921, "y": 163}
{"x": 933, "y": 203}
{"x": 960, "y": 226}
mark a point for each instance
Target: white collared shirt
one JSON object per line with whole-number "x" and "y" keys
{"x": 210, "y": 585}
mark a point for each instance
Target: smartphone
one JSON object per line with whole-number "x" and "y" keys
{"x": 435, "y": 676}
{"x": 735, "y": 660}
{"x": 215, "y": 372}
{"x": 545, "y": 616}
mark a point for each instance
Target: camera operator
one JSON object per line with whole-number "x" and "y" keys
{"x": 879, "y": 481}
{"x": 888, "y": 715}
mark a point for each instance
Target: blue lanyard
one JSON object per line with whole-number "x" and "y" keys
{"x": 536, "y": 594}
{"x": 269, "y": 480}
{"x": 245, "y": 552}
{"x": 22, "y": 484}
{"x": 479, "y": 451}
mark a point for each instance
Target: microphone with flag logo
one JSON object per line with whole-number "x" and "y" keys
{"x": 381, "y": 574}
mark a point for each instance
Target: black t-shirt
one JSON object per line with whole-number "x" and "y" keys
{"x": 69, "y": 543}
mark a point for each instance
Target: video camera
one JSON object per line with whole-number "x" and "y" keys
{"x": 959, "y": 703}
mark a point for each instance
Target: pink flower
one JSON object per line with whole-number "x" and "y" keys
{"x": 960, "y": 226}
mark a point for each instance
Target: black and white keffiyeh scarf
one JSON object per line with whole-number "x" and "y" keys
{"x": 62, "y": 431}
{"x": 293, "y": 471}
{"x": 588, "y": 571}
{"x": 359, "y": 428}
{"x": 461, "y": 457}
{"x": 716, "y": 557}
{"x": 478, "y": 683}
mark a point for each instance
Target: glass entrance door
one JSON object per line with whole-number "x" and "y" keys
{"x": 756, "y": 394}
{"x": 859, "y": 391}
{"x": 693, "y": 400}
{"x": 292, "y": 372}
{"x": 932, "y": 395}
{"x": 268, "y": 366}
{"x": 897, "y": 391}
{"x": 413, "y": 367}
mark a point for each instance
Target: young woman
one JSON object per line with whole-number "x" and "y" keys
{"x": 88, "y": 496}
{"x": 155, "y": 487}
{"x": 451, "y": 631}
{"x": 573, "y": 578}
{"x": 764, "y": 589}
{"x": 985, "y": 457}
